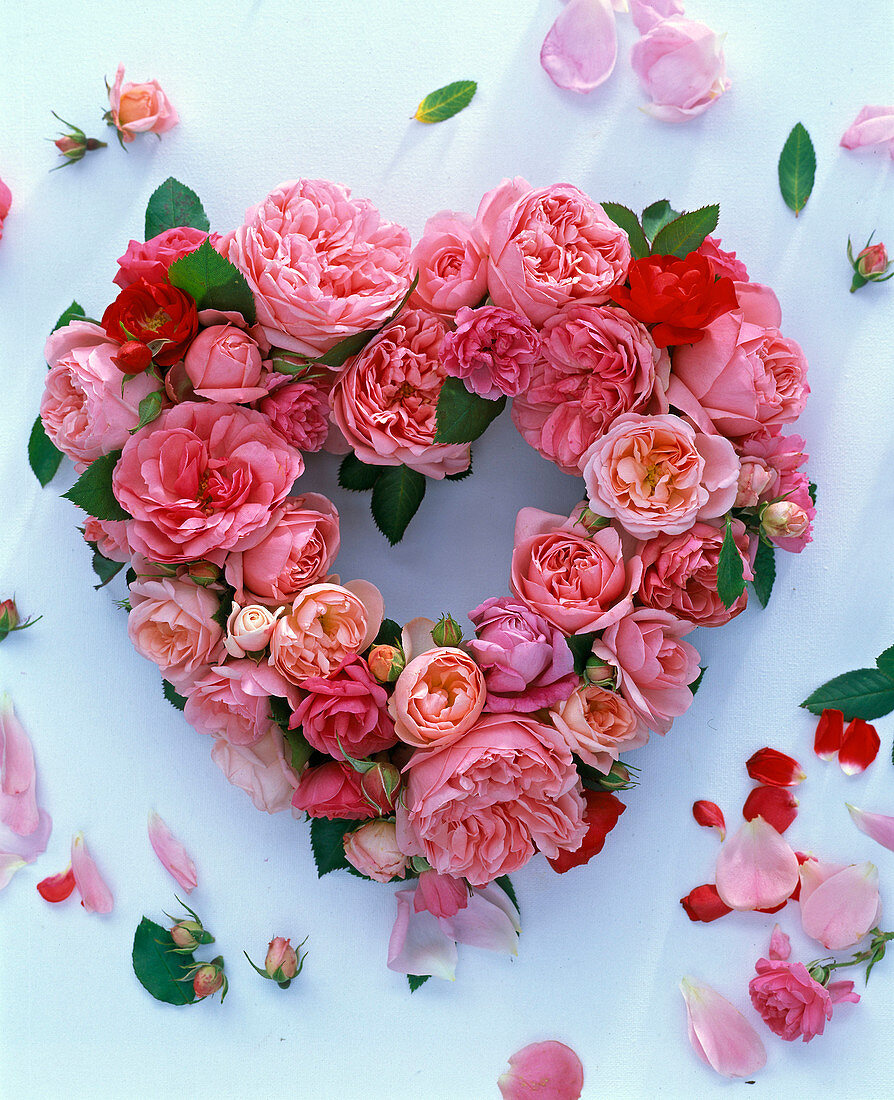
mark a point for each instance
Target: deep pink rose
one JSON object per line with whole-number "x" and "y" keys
{"x": 320, "y": 264}
{"x": 724, "y": 263}
{"x": 548, "y": 247}
{"x": 332, "y": 790}
{"x": 299, "y": 411}
{"x": 452, "y": 264}
{"x": 481, "y": 806}
{"x": 656, "y": 473}
{"x": 259, "y": 769}
{"x": 5, "y": 204}
{"x": 596, "y": 363}
{"x": 384, "y": 401}
{"x": 110, "y": 537}
{"x": 578, "y": 581}
{"x": 655, "y": 666}
{"x": 681, "y": 66}
{"x": 224, "y": 364}
{"x": 139, "y": 108}
{"x": 493, "y": 350}
{"x": 86, "y": 410}
{"x": 233, "y": 701}
{"x": 203, "y": 478}
{"x": 345, "y": 712}
{"x": 151, "y": 259}
{"x": 598, "y": 725}
{"x": 791, "y": 1003}
{"x": 437, "y": 698}
{"x": 525, "y": 659}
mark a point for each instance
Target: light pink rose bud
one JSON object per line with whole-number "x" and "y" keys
{"x": 189, "y": 934}
{"x": 282, "y": 960}
{"x": 870, "y": 264}
{"x": 754, "y": 479}
{"x": 203, "y": 573}
{"x": 784, "y": 519}
{"x": 209, "y": 978}
{"x": 598, "y": 672}
{"x": 249, "y": 629}
{"x": 447, "y": 632}
{"x": 224, "y": 364}
{"x": 10, "y": 619}
{"x": 372, "y": 850}
{"x": 386, "y": 663}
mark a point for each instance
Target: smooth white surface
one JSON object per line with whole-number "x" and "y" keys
{"x": 269, "y": 91}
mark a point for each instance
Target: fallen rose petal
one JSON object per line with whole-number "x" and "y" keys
{"x": 777, "y": 805}
{"x": 18, "y": 800}
{"x": 482, "y": 924}
{"x": 876, "y": 826}
{"x": 859, "y": 747}
{"x": 841, "y": 910}
{"x": 95, "y": 895}
{"x": 416, "y": 637}
{"x": 780, "y": 946}
{"x": 829, "y": 734}
{"x": 496, "y": 895}
{"x": 581, "y": 47}
{"x": 710, "y": 816}
{"x": 418, "y": 944}
{"x": 10, "y": 862}
{"x": 774, "y": 768}
{"x": 719, "y": 1033}
{"x": 56, "y": 888}
{"x": 811, "y": 874}
{"x": 543, "y": 1071}
{"x": 32, "y": 845}
{"x": 872, "y": 126}
{"x": 842, "y": 991}
{"x": 755, "y": 869}
{"x": 704, "y": 904}
{"x": 173, "y": 856}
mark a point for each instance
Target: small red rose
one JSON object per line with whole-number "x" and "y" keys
{"x": 147, "y": 312}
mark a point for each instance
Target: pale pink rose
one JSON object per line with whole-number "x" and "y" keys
{"x": 872, "y": 126}
{"x": 249, "y": 629}
{"x": 139, "y": 108}
{"x": 681, "y": 66}
{"x": 299, "y": 548}
{"x": 724, "y": 263}
{"x": 224, "y": 364}
{"x": 793, "y": 1004}
{"x": 151, "y": 259}
{"x": 201, "y": 479}
{"x": 332, "y": 791}
{"x": 233, "y": 701}
{"x": 109, "y": 536}
{"x": 345, "y": 712}
{"x": 796, "y": 534}
{"x": 755, "y": 477}
{"x": 578, "y": 581}
{"x": 452, "y": 264}
{"x": 86, "y": 408}
{"x": 581, "y": 47}
{"x": 680, "y": 573}
{"x": 5, "y": 204}
{"x": 321, "y": 265}
{"x": 655, "y": 666}
{"x": 372, "y": 850}
{"x": 493, "y": 351}
{"x": 437, "y": 698}
{"x": 596, "y": 363}
{"x": 259, "y": 769}
{"x": 299, "y": 411}
{"x": 656, "y": 473}
{"x": 549, "y": 247}
{"x": 480, "y": 807}
{"x": 384, "y": 401}
{"x": 598, "y": 725}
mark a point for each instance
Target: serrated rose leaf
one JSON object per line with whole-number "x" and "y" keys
{"x": 581, "y": 47}
{"x": 885, "y": 662}
{"x": 686, "y": 233}
{"x": 396, "y": 497}
{"x": 797, "y": 168}
{"x": 730, "y": 569}
{"x": 173, "y": 204}
{"x": 656, "y": 216}
{"x": 864, "y": 693}
{"x": 764, "y": 572}
{"x": 755, "y": 868}
{"x": 213, "y": 282}
{"x": 463, "y": 416}
{"x": 628, "y": 221}
{"x": 44, "y": 458}
{"x": 720, "y": 1035}
{"x": 93, "y": 490}
{"x": 160, "y": 968}
{"x": 445, "y": 102}
{"x": 356, "y": 475}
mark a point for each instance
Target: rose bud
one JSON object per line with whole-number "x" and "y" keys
{"x": 870, "y": 264}
{"x": 188, "y": 934}
{"x": 208, "y": 978}
{"x": 203, "y": 573}
{"x": 754, "y": 480}
{"x": 777, "y": 805}
{"x": 829, "y": 734}
{"x": 249, "y": 629}
{"x": 784, "y": 519}
{"x": 709, "y": 815}
{"x": 283, "y": 962}
{"x": 133, "y": 357}
{"x": 617, "y": 779}
{"x": 704, "y": 904}
{"x": 774, "y": 768}
{"x": 372, "y": 850}
{"x": 75, "y": 145}
{"x": 10, "y": 619}
{"x": 386, "y": 663}
{"x": 599, "y": 673}
{"x": 447, "y": 632}
{"x": 380, "y": 786}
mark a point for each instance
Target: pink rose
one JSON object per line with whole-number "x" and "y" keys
{"x": 647, "y": 14}
{"x": 493, "y": 350}
{"x": 755, "y": 477}
{"x": 151, "y": 259}
{"x": 299, "y": 411}
{"x": 224, "y": 364}
{"x": 479, "y": 808}
{"x": 332, "y": 790}
{"x": 440, "y": 895}
{"x": 437, "y": 698}
{"x": 724, "y": 263}
{"x": 598, "y": 725}
{"x": 5, "y": 204}
{"x": 345, "y": 712}
{"x": 788, "y": 523}
{"x": 780, "y": 455}
{"x": 656, "y": 473}
{"x": 793, "y": 1004}
{"x": 139, "y": 108}
{"x": 372, "y": 850}
{"x": 233, "y": 701}
{"x": 203, "y": 478}
{"x": 109, "y": 536}
{"x": 597, "y": 363}
{"x": 259, "y": 769}
{"x": 680, "y": 573}
{"x": 384, "y": 401}
{"x": 85, "y": 409}
{"x": 249, "y": 629}
{"x": 322, "y": 266}
{"x": 681, "y": 66}
{"x": 525, "y": 659}
{"x": 655, "y": 667}
{"x": 298, "y": 550}
{"x": 578, "y": 581}
{"x": 548, "y": 247}
{"x": 452, "y": 264}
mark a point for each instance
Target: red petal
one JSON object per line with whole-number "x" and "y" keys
{"x": 601, "y": 816}
{"x": 704, "y": 904}
{"x": 57, "y": 887}
{"x": 802, "y": 859}
{"x": 829, "y": 734}
{"x": 774, "y": 804}
{"x": 774, "y": 768}
{"x": 859, "y": 747}
{"x": 709, "y": 815}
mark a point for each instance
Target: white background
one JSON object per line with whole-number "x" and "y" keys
{"x": 268, "y": 91}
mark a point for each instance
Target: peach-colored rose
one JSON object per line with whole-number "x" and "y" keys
{"x": 384, "y": 401}
{"x": 109, "y": 536}
{"x": 139, "y": 108}
{"x": 233, "y": 701}
{"x": 598, "y": 725}
{"x": 320, "y": 264}
{"x": 481, "y": 806}
{"x": 452, "y": 264}
{"x": 151, "y": 259}
{"x": 249, "y": 629}
{"x": 224, "y": 364}
{"x": 260, "y": 769}
{"x": 85, "y": 409}
{"x": 372, "y": 850}
{"x": 437, "y": 698}
{"x": 656, "y": 473}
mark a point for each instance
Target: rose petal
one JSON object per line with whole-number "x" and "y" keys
{"x": 777, "y": 805}
{"x": 372, "y": 600}
{"x": 756, "y": 869}
{"x": 96, "y": 896}
{"x": 543, "y": 1071}
{"x": 774, "y": 768}
{"x": 842, "y": 991}
{"x": 859, "y": 747}
{"x": 780, "y": 947}
{"x": 31, "y": 846}
{"x": 709, "y": 815}
{"x": 829, "y": 734}
{"x": 10, "y": 862}
{"x": 496, "y": 895}
{"x": 418, "y": 943}
{"x": 56, "y": 888}
{"x": 581, "y": 47}
{"x": 416, "y": 637}
{"x": 704, "y": 904}
{"x": 16, "y": 754}
{"x": 841, "y": 910}
{"x": 876, "y": 826}
{"x": 719, "y": 1033}
{"x": 872, "y": 126}
{"x": 482, "y": 924}
{"x": 174, "y": 857}
{"x": 811, "y": 874}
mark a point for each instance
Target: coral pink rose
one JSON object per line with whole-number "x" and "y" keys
{"x": 259, "y": 769}
{"x": 681, "y": 66}
{"x": 201, "y": 479}
{"x": 797, "y": 495}
{"x": 139, "y": 108}
{"x": 372, "y": 850}
{"x": 344, "y": 712}
{"x": 437, "y": 698}
{"x": 299, "y": 411}
{"x": 151, "y": 259}
{"x": 109, "y": 536}
{"x": 224, "y": 364}
{"x": 656, "y": 473}
{"x": 480, "y": 807}
{"x": 578, "y": 581}
{"x": 597, "y": 362}
{"x": 384, "y": 401}
{"x": 85, "y": 409}
{"x": 598, "y": 725}
{"x": 233, "y": 701}
{"x": 791, "y": 1003}
{"x": 452, "y": 263}
{"x": 493, "y": 351}
{"x": 332, "y": 790}
{"x": 321, "y": 265}
{"x": 724, "y": 263}
{"x": 549, "y": 247}
{"x": 655, "y": 666}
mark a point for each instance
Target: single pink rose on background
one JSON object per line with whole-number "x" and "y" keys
{"x": 451, "y": 261}
{"x": 437, "y": 698}
{"x": 791, "y": 1003}
{"x": 493, "y": 351}
{"x": 139, "y": 108}
{"x": 224, "y": 364}
{"x": 872, "y": 126}
{"x": 680, "y": 64}
{"x": 151, "y": 259}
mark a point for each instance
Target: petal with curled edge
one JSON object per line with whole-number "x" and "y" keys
{"x": 756, "y": 869}
{"x": 719, "y": 1033}
{"x": 878, "y": 827}
{"x": 418, "y": 944}
{"x": 841, "y": 910}
{"x": 173, "y": 856}
{"x": 581, "y": 47}
{"x": 95, "y": 895}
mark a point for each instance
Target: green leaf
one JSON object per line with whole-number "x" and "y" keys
{"x": 797, "y": 168}
{"x": 446, "y": 102}
{"x": 811, "y": 490}
{"x": 299, "y": 748}
{"x": 149, "y": 409}
{"x": 684, "y": 234}
{"x": 389, "y": 633}
{"x": 463, "y": 416}
{"x": 173, "y": 204}
{"x": 506, "y": 885}
{"x": 43, "y": 455}
{"x": 104, "y": 567}
{"x": 463, "y": 474}
{"x": 657, "y": 216}
{"x": 629, "y": 222}
{"x": 764, "y": 572}
{"x": 697, "y": 682}
{"x": 356, "y": 475}
{"x": 397, "y": 494}
{"x": 581, "y": 646}
{"x": 73, "y": 311}
{"x": 730, "y": 569}
{"x": 416, "y": 980}
{"x": 864, "y": 693}
{"x": 93, "y": 489}
{"x": 161, "y": 970}
{"x": 213, "y": 281}
{"x": 172, "y": 696}
{"x": 885, "y": 662}
{"x": 326, "y": 842}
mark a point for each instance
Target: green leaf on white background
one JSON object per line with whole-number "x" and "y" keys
{"x": 445, "y": 102}
{"x": 797, "y": 168}
{"x": 629, "y": 222}
{"x": 684, "y": 234}
{"x": 173, "y": 204}
{"x": 43, "y": 455}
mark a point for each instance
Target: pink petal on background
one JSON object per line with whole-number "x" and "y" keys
{"x": 16, "y": 754}
{"x": 648, "y": 13}
{"x": 5, "y": 204}
{"x": 581, "y": 48}
{"x": 96, "y": 896}
{"x": 877, "y": 827}
{"x": 872, "y": 126}
{"x": 859, "y": 747}
{"x": 842, "y": 991}
{"x": 780, "y": 947}
{"x": 418, "y": 944}
{"x": 482, "y": 924}
{"x": 812, "y": 873}
{"x": 16, "y": 851}
{"x": 841, "y": 910}
{"x": 496, "y": 895}
{"x": 756, "y": 869}
{"x": 173, "y": 856}
{"x": 719, "y": 1033}
{"x": 543, "y": 1071}
{"x": 9, "y": 864}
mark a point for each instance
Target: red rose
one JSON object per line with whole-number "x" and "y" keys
{"x": 601, "y": 816}
{"x": 153, "y": 311}
{"x": 680, "y": 297}
{"x": 332, "y": 790}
